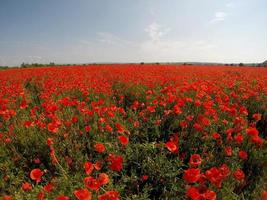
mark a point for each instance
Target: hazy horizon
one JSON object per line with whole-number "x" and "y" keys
{"x": 104, "y": 31}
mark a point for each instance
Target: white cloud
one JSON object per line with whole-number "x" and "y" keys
{"x": 108, "y": 47}
{"x": 33, "y": 59}
{"x": 155, "y": 31}
{"x": 157, "y": 47}
{"x": 160, "y": 48}
{"x": 218, "y": 17}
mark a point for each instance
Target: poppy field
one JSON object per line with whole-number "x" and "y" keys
{"x": 140, "y": 132}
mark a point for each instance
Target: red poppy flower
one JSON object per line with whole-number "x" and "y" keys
{"x": 28, "y": 123}
{"x": 74, "y": 119}
{"x": 36, "y": 175}
{"x": 62, "y": 197}
{"x": 200, "y": 193}
{"x": 209, "y": 195}
{"x": 216, "y": 135}
{"x": 198, "y": 127}
{"x": 256, "y": 116}
{"x": 98, "y": 165}
{"x": 103, "y": 179}
{"x": 87, "y": 128}
{"x": 52, "y": 127}
{"x": 7, "y": 197}
{"x": 224, "y": 170}
{"x": 193, "y": 193}
{"x": 195, "y": 160}
{"x": 109, "y": 195}
{"x": 82, "y": 194}
{"x": 123, "y": 140}
{"x": 239, "y": 175}
{"x": 174, "y": 138}
{"x": 26, "y": 186}
{"x": 191, "y": 175}
{"x": 177, "y": 110}
{"x": 120, "y": 128}
{"x": 264, "y": 195}
{"x": 257, "y": 140}
{"x": 37, "y": 161}
{"x": 40, "y": 196}
{"x": 116, "y": 162}
{"x": 49, "y": 141}
{"x": 67, "y": 123}
{"x": 228, "y": 151}
{"x": 217, "y": 175}
{"x": 88, "y": 167}
{"x": 111, "y": 114}
{"x": 171, "y": 146}
{"x": 108, "y": 128}
{"x": 136, "y": 124}
{"x": 92, "y": 183}
{"x": 144, "y": 177}
{"x": 239, "y": 138}
{"x": 252, "y": 131}
{"x": 243, "y": 154}
{"x": 49, "y": 187}
{"x": 100, "y": 148}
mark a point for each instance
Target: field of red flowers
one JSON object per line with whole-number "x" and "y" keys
{"x": 110, "y": 132}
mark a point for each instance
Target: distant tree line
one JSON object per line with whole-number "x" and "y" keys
{"x": 34, "y": 65}
{"x": 52, "y": 64}
{"x": 264, "y": 64}
{"x": 3, "y": 67}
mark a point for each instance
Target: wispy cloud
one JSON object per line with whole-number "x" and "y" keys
{"x": 219, "y": 17}
{"x": 160, "y": 48}
{"x": 111, "y": 39}
{"x": 156, "y": 31}
{"x": 157, "y": 47}
{"x": 34, "y": 59}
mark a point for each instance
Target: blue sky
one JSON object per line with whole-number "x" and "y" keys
{"x": 83, "y": 31}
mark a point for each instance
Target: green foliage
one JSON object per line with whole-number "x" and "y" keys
{"x": 144, "y": 155}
